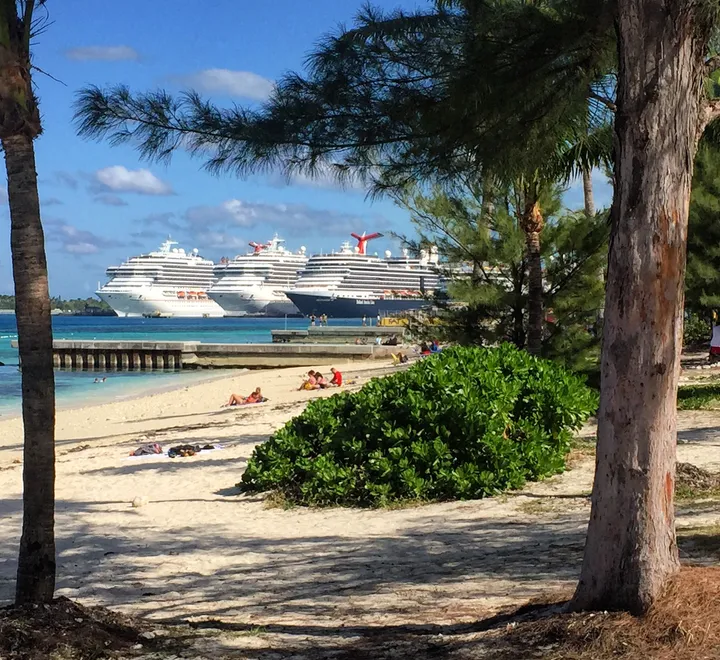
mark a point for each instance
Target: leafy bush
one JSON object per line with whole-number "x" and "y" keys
{"x": 698, "y": 397}
{"x": 463, "y": 424}
{"x": 696, "y": 331}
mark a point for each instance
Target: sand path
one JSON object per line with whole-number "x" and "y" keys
{"x": 200, "y": 551}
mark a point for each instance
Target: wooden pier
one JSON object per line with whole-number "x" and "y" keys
{"x": 329, "y": 334}
{"x": 169, "y": 356}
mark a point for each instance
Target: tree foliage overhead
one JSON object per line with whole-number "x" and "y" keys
{"x": 401, "y": 96}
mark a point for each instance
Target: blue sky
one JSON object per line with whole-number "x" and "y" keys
{"x": 101, "y": 204}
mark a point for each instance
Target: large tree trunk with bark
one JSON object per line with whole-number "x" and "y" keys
{"x": 36, "y": 564}
{"x": 630, "y": 551}
{"x": 532, "y": 224}
{"x": 588, "y": 196}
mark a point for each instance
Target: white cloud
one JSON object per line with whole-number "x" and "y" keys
{"x": 77, "y": 241}
{"x": 293, "y": 219}
{"x": 110, "y": 200}
{"x": 210, "y": 240}
{"x": 81, "y": 248}
{"x": 232, "y": 211}
{"x": 51, "y": 201}
{"x": 103, "y": 53}
{"x": 120, "y": 179}
{"x": 244, "y": 84}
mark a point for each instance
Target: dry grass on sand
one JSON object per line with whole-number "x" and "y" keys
{"x": 65, "y": 630}
{"x": 684, "y": 624}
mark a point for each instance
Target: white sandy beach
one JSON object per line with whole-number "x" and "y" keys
{"x": 199, "y": 550}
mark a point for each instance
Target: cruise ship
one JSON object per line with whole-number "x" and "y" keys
{"x": 351, "y": 283}
{"x": 166, "y": 282}
{"x": 255, "y": 283}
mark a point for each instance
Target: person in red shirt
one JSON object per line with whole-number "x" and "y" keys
{"x": 337, "y": 377}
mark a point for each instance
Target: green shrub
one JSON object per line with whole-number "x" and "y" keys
{"x": 463, "y": 424}
{"x": 697, "y": 330}
{"x": 698, "y": 397}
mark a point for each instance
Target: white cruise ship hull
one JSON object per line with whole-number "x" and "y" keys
{"x": 243, "y": 303}
{"x": 142, "y": 303}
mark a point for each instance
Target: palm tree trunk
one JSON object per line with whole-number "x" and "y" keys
{"x": 631, "y": 550}
{"x": 532, "y": 223}
{"x": 36, "y": 563}
{"x": 588, "y": 195}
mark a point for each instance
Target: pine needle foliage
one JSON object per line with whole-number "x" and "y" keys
{"x": 507, "y": 86}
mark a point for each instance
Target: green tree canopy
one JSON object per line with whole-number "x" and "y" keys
{"x": 483, "y": 228}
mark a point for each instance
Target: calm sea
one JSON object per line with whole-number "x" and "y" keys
{"x": 78, "y": 388}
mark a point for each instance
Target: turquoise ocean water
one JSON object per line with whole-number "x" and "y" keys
{"x": 78, "y": 388}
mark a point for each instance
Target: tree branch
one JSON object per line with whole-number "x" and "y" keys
{"x": 604, "y": 100}
{"x": 712, "y": 64}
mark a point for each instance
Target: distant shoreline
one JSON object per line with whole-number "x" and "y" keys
{"x": 108, "y": 314}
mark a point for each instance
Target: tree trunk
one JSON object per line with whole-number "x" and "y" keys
{"x": 630, "y": 550}
{"x": 36, "y": 564}
{"x": 532, "y": 224}
{"x": 518, "y": 307}
{"x": 519, "y": 324}
{"x": 588, "y": 195}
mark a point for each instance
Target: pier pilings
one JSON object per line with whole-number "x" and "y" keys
{"x": 172, "y": 356}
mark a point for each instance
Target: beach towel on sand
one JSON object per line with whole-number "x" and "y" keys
{"x": 187, "y": 450}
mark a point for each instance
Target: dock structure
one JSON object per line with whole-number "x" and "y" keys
{"x": 173, "y": 355}
{"x": 329, "y": 334}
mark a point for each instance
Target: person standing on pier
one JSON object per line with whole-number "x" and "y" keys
{"x": 364, "y": 320}
{"x": 312, "y": 319}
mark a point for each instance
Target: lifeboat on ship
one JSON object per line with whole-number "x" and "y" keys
{"x": 181, "y": 294}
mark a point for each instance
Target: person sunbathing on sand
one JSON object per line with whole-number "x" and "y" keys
{"x": 321, "y": 381}
{"x": 310, "y": 383}
{"x": 253, "y": 397}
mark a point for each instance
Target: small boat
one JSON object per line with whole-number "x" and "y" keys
{"x": 158, "y": 315}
